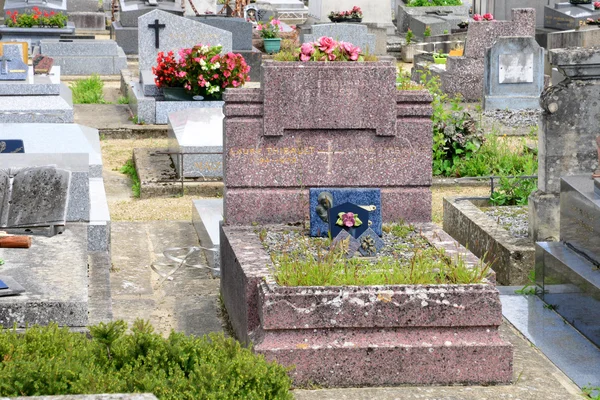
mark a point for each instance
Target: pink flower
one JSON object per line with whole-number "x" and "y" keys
{"x": 276, "y": 22}
{"x": 235, "y": 83}
{"x": 477, "y": 17}
{"x": 259, "y": 27}
{"x": 348, "y": 219}
{"x": 597, "y": 4}
{"x": 326, "y": 44}
{"x": 488, "y": 17}
{"x": 226, "y": 73}
{"x": 181, "y": 74}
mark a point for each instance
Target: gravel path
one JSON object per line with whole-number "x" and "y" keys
{"x": 512, "y": 218}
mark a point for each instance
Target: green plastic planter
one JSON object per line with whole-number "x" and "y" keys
{"x": 272, "y": 45}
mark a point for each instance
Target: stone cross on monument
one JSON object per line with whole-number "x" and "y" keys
{"x": 4, "y": 66}
{"x": 156, "y": 26}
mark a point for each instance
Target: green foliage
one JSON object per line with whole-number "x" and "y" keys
{"x": 286, "y": 55}
{"x": 593, "y": 392}
{"x": 129, "y": 170}
{"x": 427, "y": 31}
{"x": 53, "y": 361}
{"x": 88, "y": 91}
{"x": 331, "y": 267}
{"x": 137, "y": 120}
{"x": 430, "y": 3}
{"x": 461, "y": 149}
{"x": 1, "y": 261}
{"x": 409, "y": 36}
{"x": 404, "y": 81}
{"x": 530, "y": 288}
{"x": 513, "y": 191}
{"x": 123, "y": 100}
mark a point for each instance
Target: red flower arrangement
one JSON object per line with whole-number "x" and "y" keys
{"x": 355, "y": 13}
{"x": 36, "y": 17}
{"x": 484, "y": 17}
{"x": 201, "y": 70}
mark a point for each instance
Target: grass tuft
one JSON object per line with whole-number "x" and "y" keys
{"x": 88, "y": 91}
{"x": 129, "y": 170}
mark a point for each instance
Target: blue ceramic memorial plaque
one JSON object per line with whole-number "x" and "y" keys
{"x": 3, "y": 285}
{"x": 11, "y": 146}
{"x": 322, "y": 199}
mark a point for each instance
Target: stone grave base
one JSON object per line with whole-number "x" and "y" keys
{"x": 154, "y": 110}
{"x": 207, "y": 215}
{"x": 513, "y": 258}
{"x": 242, "y": 203}
{"x": 38, "y": 109}
{"x": 152, "y": 167}
{"x": 402, "y": 334}
{"x": 54, "y": 273}
{"x": 511, "y": 102}
{"x": 85, "y": 57}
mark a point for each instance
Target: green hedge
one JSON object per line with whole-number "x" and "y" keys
{"x": 53, "y": 361}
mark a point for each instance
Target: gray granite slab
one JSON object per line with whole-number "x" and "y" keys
{"x": 126, "y": 37}
{"x": 81, "y": 47}
{"x": 14, "y": 287}
{"x": 207, "y": 215}
{"x": 88, "y": 20}
{"x": 356, "y": 34}
{"x": 38, "y": 109}
{"x": 48, "y": 139}
{"x": 240, "y": 29}
{"x": 197, "y": 130}
{"x": 178, "y": 33}
{"x": 44, "y": 5}
{"x": 34, "y": 85}
{"x": 144, "y": 107}
{"x": 132, "y": 10}
{"x": 86, "y": 57}
{"x": 148, "y": 84}
{"x": 54, "y": 274}
{"x": 576, "y": 356}
{"x": 164, "y": 108}
{"x": 38, "y": 197}
{"x": 99, "y": 226}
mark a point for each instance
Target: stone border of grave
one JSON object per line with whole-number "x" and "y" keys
{"x": 513, "y": 259}
{"x": 398, "y": 333}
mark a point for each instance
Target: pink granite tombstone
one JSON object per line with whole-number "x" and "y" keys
{"x": 324, "y": 124}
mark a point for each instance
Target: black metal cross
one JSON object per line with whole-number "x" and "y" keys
{"x": 156, "y": 26}
{"x": 4, "y": 67}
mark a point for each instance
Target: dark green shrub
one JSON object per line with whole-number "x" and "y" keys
{"x": 53, "y": 361}
{"x": 513, "y": 191}
{"x": 429, "y": 3}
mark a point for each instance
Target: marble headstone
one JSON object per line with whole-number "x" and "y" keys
{"x": 513, "y": 74}
{"x": 12, "y": 67}
{"x": 565, "y": 15}
{"x": 177, "y": 33}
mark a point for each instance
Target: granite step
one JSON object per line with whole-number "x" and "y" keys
{"x": 571, "y": 286}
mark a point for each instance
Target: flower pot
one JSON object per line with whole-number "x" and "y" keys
{"x": 456, "y": 53}
{"x": 178, "y": 94}
{"x": 334, "y": 19}
{"x": 439, "y": 60}
{"x": 272, "y": 45}
{"x": 408, "y": 53}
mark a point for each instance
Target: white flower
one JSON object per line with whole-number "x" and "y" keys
{"x": 207, "y": 84}
{"x": 203, "y": 63}
{"x": 204, "y": 49}
{"x": 216, "y": 66}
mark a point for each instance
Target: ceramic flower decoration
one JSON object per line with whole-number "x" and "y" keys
{"x": 348, "y": 220}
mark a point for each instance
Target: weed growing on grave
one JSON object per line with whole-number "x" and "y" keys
{"x": 137, "y": 120}
{"x": 328, "y": 265}
{"x": 129, "y": 170}
{"x": 53, "y": 361}
{"x": 593, "y": 392}
{"x": 88, "y": 91}
{"x": 404, "y": 81}
{"x": 123, "y": 100}
{"x": 530, "y": 288}
{"x": 513, "y": 191}
{"x": 461, "y": 149}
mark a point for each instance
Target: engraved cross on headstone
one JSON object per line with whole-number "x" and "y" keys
{"x": 156, "y": 26}
{"x": 4, "y": 66}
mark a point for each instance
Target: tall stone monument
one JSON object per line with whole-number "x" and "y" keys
{"x": 567, "y": 137}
